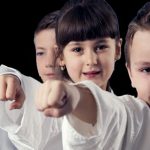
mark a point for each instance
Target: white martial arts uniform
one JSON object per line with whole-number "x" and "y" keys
{"x": 5, "y": 143}
{"x": 28, "y": 128}
{"x": 123, "y": 123}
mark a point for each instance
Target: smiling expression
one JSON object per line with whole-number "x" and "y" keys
{"x": 91, "y": 60}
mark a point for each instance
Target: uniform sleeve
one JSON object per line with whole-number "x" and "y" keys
{"x": 8, "y": 70}
{"x": 122, "y": 123}
{"x": 20, "y": 123}
{"x": 28, "y": 128}
{"x": 36, "y": 131}
{"x": 138, "y": 128}
{"x": 111, "y": 121}
{"x": 11, "y": 119}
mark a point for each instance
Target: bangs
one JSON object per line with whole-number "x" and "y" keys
{"x": 85, "y": 23}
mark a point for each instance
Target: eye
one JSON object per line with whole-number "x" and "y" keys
{"x": 39, "y": 53}
{"x": 77, "y": 49}
{"x": 145, "y": 70}
{"x": 101, "y": 47}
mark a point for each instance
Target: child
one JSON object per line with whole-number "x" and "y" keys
{"x": 137, "y": 52}
{"x": 46, "y": 49}
{"x": 45, "y": 45}
{"x": 24, "y": 122}
{"x": 119, "y": 122}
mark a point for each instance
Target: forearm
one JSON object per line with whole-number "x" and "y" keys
{"x": 86, "y": 109}
{"x": 4, "y": 70}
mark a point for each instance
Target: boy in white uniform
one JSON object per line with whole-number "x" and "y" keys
{"x": 21, "y": 124}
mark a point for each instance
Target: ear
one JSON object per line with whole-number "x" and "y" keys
{"x": 118, "y": 49}
{"x": 130, "y": 74}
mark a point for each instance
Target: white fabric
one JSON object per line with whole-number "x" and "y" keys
{"x": 8, "y": 70}
{"x": 5, "y": 143}
{"x": 28, "y": 128}
{"x": 123, "y": 123}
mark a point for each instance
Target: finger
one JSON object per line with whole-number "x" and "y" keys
{"x": 12, "y": 88}
{"x": 56, "y": 95}
{"x": 62, "y": 102}
{"x": 2, "y": 90}
{"x": 20, "y": 97}
{"x": 37, "y": 99}
{"x": 40, "y": 98}
{"x": 15, "y": 105}
{"x": 46, "y": 89}
{"x": 58, "y": 112}
{"x": 19, "y": 101}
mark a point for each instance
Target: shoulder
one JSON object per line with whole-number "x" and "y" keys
{"x": 137, "y": 110}
{"x": 133, "y": 101}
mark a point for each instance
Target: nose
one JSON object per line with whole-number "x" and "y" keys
{"x": 50, "y": 61}
{"x": 49, "y": 66}
{"x": 91, "y": 58}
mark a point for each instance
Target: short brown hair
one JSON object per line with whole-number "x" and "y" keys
{"x": 139, "y": 23}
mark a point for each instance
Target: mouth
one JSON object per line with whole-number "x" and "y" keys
{"x": 91, "y": 74}
{"x": 50, "y": 75}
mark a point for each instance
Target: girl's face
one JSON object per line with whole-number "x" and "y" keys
{"x": 91, "y": 60}
{"x": 46, "y": 48}
{"x": 139, "y": 69}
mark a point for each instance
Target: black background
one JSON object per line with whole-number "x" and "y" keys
{"x": 19, "y": 20}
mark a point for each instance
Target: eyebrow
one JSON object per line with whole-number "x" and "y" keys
{"x": 142, "y": 63}
{"x": 39, "y": 47}
{"x": 102, "y": 40}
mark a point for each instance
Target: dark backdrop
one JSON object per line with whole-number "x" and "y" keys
{"x": 19, "y": 20}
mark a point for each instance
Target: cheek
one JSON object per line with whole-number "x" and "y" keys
{"x": 73, "y": 67}
{"x": 141, "y": 84}
{"x": 108, "y": 59}
{"x": 108, "y": 65}
{"x": 143, "y": 92}
{"x": 39, "y": 65}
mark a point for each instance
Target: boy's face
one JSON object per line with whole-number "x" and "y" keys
{"x": 46, "y": 48}
{"x": 91, "y": 60}
{"x": 139, "y": 69}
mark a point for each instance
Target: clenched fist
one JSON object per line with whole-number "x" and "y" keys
{"x": 10, "y": 89}
{"x": 57, "y": 98}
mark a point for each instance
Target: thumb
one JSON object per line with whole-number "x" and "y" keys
{"x": 18, "y": 101}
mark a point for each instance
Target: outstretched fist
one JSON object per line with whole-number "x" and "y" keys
{"x": 11, "y": 90}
